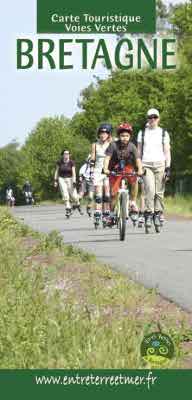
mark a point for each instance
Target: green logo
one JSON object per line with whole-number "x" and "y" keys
{"x": 157, "y": 349}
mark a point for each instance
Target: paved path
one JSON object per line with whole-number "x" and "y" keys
{"x": 161, "y": 261}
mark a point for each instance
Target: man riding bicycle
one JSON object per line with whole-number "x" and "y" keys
{"x": 122, "y": 155}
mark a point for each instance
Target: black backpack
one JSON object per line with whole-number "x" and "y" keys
{"x": 143, "y": 140}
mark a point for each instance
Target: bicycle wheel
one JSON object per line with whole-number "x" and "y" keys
{"x": 122, "y": 215}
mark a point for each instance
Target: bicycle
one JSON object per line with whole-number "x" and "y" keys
{"x": 122, "y": 202}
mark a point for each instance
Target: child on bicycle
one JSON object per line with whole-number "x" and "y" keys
{"x": 122, "y": 155}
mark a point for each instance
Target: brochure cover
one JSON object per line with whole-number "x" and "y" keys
{"x": 95, "y": 192}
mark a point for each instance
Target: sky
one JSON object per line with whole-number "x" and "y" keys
{"x": 27, "y": 96}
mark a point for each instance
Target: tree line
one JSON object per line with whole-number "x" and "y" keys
{"x": 123, "y": 96}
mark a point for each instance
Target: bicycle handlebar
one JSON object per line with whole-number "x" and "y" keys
{"x": 125, "y": 174}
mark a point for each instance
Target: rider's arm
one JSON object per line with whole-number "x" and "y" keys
{"x": 139, "y": 166}
{"x": 167, "y": 152}
{"x": 139, "y": 144}
{"x": 73, "y": 174}
{"x": 139, "y": 149}
{"x": 93, "y": 152}
{"x": 56, "y": 174}
{"x": 106, "y": 164}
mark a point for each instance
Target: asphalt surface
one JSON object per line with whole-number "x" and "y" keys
{"x": 162, "y": 261}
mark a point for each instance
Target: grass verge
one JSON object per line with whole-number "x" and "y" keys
{"x": 179, "y": 205}
{"x": 61, "y": 309}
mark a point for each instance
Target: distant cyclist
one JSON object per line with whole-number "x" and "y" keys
{"x": 100, "y": 180}
{"x": 122, "y": 155}
{"x": 86, "y": 183}
{"x": 154, "y": 150}
{"x": 10, "y": 199}
{"x": 65, "y": 177}
{"x": 28, "y": 192}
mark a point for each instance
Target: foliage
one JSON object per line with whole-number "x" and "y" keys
{"x": 73, "y": 312}
{"x": 181, "y": 18}
{"x": 10, "y": 164}
{"x": 127, "y": 96}
{"x": 43, "y": 148}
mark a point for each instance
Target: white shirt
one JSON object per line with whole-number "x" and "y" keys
{"x": 85, "y": 171}
{"x": 100, "y": 149}
{"x": 153, "y": 147}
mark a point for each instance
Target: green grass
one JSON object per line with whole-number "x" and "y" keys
{"x": 179, "y": 205}
{"x": 61, "y": 309}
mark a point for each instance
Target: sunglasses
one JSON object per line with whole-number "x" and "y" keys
{"x": 153, "y": 117}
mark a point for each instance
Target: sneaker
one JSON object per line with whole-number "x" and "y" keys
{"x": 88, "y": 211}
{"x": 68, "y": 212}
{"x": 141, "y": 219}
{"x": 156, "y": 218}
{"x": 148, "y": 219}
{"x": 161, "y": 218}
{"x": 97, "y": 214}
{"x": 133, "y": 208}
{"x": 80, "y": 210}
{"x": 106, "y": 214}
{"x": 113, "y": 219}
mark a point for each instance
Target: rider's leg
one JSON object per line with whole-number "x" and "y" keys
{"x": 133, "y": 196}
{"x": 98, "y": 201}
{"x": 98, "y": 198}
{"x": 75, "y": 197}
{"x": 106, "y": 197}
{"x": 142, "y": 198}
{"x": 64, "y": 191}
{"x": 149, "y": 182}
{"x": 90, "y": 198}
{"x": 159, "y": 188}
{"x": 141, "y": 203}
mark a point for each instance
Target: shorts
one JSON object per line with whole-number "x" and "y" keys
{"x": 86, "y": 186}
{"x": 100, "y": 179}
{"x": 115, "y": 181}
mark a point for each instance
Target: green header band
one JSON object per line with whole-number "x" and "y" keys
{"x": 85, "y": 16}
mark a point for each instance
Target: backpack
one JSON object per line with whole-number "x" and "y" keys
{"x": 143, "y": 140}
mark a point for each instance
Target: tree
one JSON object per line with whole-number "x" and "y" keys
{"x": 161, "y": 9}
{"x": 10, "y": 163}
{"x": 181, "y": 19}
{"x": 42, "y": 149}
{"x": 127, "y": 96}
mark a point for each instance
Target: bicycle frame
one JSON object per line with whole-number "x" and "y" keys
{"x": 122, "y": 202}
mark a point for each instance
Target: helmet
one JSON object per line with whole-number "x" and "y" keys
{"x": 124, "y": 127}
{"x": 105, "y": 128}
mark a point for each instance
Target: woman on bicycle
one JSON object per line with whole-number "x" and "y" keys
{"x": 100, "y": 180}
{"x": 122, "y": 155}
{"x": 65, "y": 177}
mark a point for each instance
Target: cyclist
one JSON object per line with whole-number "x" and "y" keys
{"x": 65, "y": 177}
{"x": 154, "y": 150}
{"x": 100, "y": 180}
{"x": 10, "y": 199}
{"x": 122, "y": 155}
{"x": 28, "y": 192}
{"x": 86, "y": 183}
